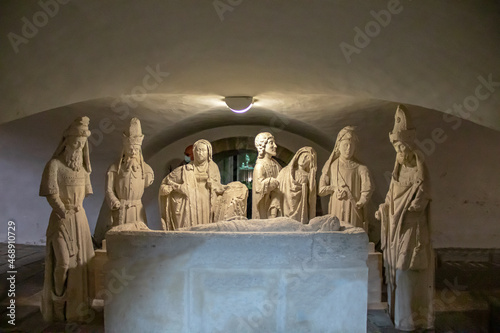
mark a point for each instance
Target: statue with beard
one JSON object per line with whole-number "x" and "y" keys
{"x": 65, "y": 183}
{"x": 126, "y": 180}
{"x": 405, "y": 235}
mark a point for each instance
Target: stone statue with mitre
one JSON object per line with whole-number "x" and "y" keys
{"x": 405, "y": 234}
{"x": 126, "y": 180}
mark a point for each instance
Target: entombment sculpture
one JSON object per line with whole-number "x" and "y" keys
{"x": 346, "y": 181}
{"x": 188, "y": 194}
{"x": 266, "y": 202}
{"x": 65, "y": 183}
{"x": 270, "y": 275}
{"x": 297, "y": 184}
{"x": 127, "y": 178}
{"x": 405, "y": 235}
{"x": 278, "y": 224}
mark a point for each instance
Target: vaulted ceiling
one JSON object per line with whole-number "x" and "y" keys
{"x": 310, "y": 61}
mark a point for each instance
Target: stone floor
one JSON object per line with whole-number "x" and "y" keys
{"x": 467, "y": 298}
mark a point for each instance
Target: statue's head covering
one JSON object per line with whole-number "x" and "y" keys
{"x": 287, "y": 177}
{"x": 209, "y": 147}
{"x": 133, "y": 134}
{"x": 403, "y": 130}
{"x": 304, "y": 150}
{"x": 78, "y": 128}
{"x": 313, "y": 168}
{"x": 261, "y": 141}
{"x": 346, "y": 132}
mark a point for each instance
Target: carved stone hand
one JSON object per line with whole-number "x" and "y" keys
{"x": 341, "y": 195}
{"x": 116, "y": 205}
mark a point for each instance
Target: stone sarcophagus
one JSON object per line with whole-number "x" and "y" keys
{"x": 206, "y": 281}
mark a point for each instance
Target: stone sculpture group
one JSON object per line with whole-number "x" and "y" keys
{"x": 192, "y": 196}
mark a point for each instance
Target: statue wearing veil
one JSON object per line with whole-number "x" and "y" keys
{"x": 297, "y": 183}
{"x": 346, "y": 181}
{"x": 188, "y": 194}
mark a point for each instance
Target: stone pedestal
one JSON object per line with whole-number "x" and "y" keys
{"x": 237, "y": 282}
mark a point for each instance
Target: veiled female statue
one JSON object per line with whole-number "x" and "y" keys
{"x": 188, "y": 194}
{"x": 347, "y": 181}
{"x": 297, "y": 183}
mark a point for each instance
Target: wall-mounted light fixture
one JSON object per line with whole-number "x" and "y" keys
{"x": 239, "y": 104}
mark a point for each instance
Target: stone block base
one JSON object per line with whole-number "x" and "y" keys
{"x": 237, "y": 282}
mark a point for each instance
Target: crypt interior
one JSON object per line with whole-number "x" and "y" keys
{"x": 312, "y": 68}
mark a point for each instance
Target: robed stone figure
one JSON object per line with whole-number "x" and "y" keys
{"x": 297, "y": 184}
{"x": 266, "y": 201}
{"x": 188, "y": 194}
{"x": 346, "y": 181}
{"x": 65, "y": 183}
{"x": 405, "y": 236}
{"x": 126, "y": 180}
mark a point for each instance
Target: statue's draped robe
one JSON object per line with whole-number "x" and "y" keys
{"x": 263, "y": 198}
{"x": 298, "y": 198}
{"x": 181, "y": 211}
{"x": 407, "y": 252}
{"x": 127, "y": 186}
{"x": 71, "y": 187}
{"x": 353, "y": 177}
{"x": 233, "y": 203}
